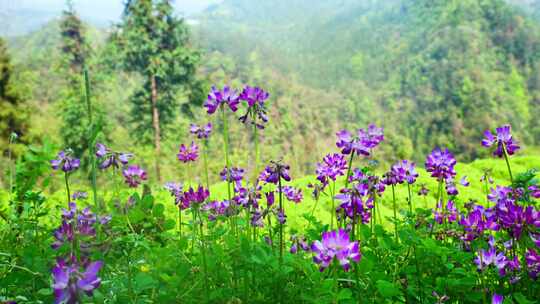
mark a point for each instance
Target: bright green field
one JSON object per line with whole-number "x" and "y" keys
{"x": 294, "y": 212}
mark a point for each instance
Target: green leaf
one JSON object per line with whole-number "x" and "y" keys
{"x": 169, "y": 224}
{"x": 144, "y": 281}
{"x": 159, "y": 209}
{"x": 344, "y": 294}
{"x": 387, "y": 289}
{"x": 521, "y": 299}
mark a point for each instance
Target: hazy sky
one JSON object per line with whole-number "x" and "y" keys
{"x": 101, "y": 10}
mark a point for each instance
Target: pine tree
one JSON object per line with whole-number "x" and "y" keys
{"x": 14, "y": 112}
{"x": 155, "y": 44}
{"x": 73, "y": 110}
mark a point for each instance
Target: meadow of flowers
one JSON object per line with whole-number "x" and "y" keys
{"x": 122, "y": 243}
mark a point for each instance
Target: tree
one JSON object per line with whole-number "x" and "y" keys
{"x": 155, "y": 44}
{"x": 74, "y": 51}
{"x": 14, "y": 112}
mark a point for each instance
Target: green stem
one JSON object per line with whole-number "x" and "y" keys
{"x": 439, "y": 192}
{"x": 256, "y": 139}
{"x": 67, "y": 187}
{"x": 505, "y": 152}
{"x": 226, "y": 149}
{"x": 280, "y": 223}
{"x": 205, "y": 160}
{"x": 395, "y": 211}
{"x": 410, "y": 198}
{"x": 179, "y": 221}
{"x": 349, "y": 170}
{"x": 333, "y": 211}
{"x": 91, "y": 142}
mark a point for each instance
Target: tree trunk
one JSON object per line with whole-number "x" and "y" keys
{"x": 155, "y": 124}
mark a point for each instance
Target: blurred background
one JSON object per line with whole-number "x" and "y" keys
{"x": 431, "y": 72}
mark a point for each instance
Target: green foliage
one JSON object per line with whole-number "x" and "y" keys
{"x": 155, "y": 44}
{"x": 14, "y": 112}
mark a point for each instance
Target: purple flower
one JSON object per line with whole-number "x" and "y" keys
{"x": 216, "y": 209}
{"x": 478, "y": 221}
{"x": 335, "y": 244}
{"x": 134, "y": 175}
{"x": 423, "y": 191}
{"x": 217, "y": 98}
{"x": 234, "y": 175}
{"x": 269, "y": 198}
{"x": 66, "y": 162}
{"x": 464, "y": 181}
{"x": 355, "y": 202}
{"x": 188, "y": 154}
{"x": 451, "y": 188}
{"x": 72, "y": 281}
{"x": 333, "y": 165}
{"x": 534, "y": 191}
{"x": 503, "y": 139}
{"x": 193, "y": 197}
{"x": 79, "y": 195}
{"x": 406, "y": 170}
{"x": 274, "y": 172}
{"x": 293, "y": 194}
{"x": 75, "y": 224}
{"x": 449, "y": 213}
{"x": 201, "y": 132}
{"x": 363, "y": 143}
{"x": 533, "y": 263}
{"x": 298, "y": 241}
{"x": 255, "y": 98}
{"x": 441, "y": 164}
{"x": 497, "y": 299}
{"x": 110, "y": 158}
{"x": 281, "y": 217}
{"x": 248, "y": 197}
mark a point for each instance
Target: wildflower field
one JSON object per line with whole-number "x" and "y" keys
{"x": 270, "y": 151}
{"x": 435, "y": 232}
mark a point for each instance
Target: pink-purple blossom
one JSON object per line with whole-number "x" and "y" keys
{"x": 335, "y": 245}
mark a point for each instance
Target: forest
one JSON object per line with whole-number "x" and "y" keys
{"x": 301, "y": 151}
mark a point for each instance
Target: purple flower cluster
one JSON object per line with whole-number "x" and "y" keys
{"x": 402, "y": 171}
{"x": 298, "y": 242}
{"x": 134, "y": 175}
{"x": 72, "y": 276}
{"x": 255, "y": 98}
{"x": 441, "y": 164}
{"x": 363, "y": 143}
{"x": 202, "y": 132}
{"x": 66, "y": 162}
{"x": 188, "y": 154}
{"x": 72, "y": 281}
{"x": 335, "y": 244}
{"x": 477, "y": 221}
{"x": 226, "y": 96}
{"x": 448, "y": 214}
{"x": 502, "y": 140}
{"x": 271, "y": 174}
{"x": 333, "y": 165}
{"x": 216, "y": 209}
{"x": 356, "y": 202}
{"x": 110, "y": 158}
{"x": 293, "y": 194}
{"x": 233, "y": 175}
{"x": 189, "y": 198}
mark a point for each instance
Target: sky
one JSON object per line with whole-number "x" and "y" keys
{"x": 100, "y": 11}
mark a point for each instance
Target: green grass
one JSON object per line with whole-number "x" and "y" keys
{"x": 295, "y": 212}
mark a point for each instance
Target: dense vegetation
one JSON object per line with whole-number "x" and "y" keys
{"x": 255, "y": 170}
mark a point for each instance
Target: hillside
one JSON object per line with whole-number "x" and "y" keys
{"x": 444, "y": 69}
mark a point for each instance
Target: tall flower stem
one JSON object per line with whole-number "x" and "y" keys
{"x": 203, "y": 253}
{"x": 281, "y": 245}
{"x": 226, "y": 148}
{"x": 410, "y": 198}
{"x": 333, "y": 211}
{"x": 349, "y": 169}
{"x": 91, "y": 140}
{"x": 505, "y": 153}
{"x": 395, "y": 211}
{"x": 256, "y": 160}
{"x": 179, "y": 221}
{"x": 439, "y": 192}
{"x": 66, "y": 178}
{"x": 205, "y": 161}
